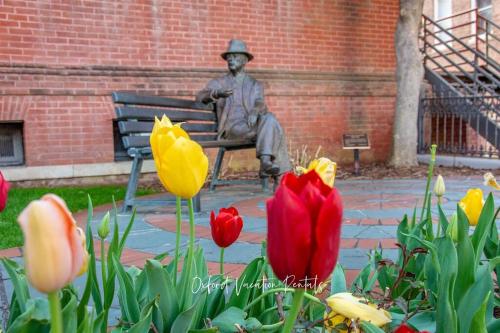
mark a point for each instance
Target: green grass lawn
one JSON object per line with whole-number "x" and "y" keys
{"x": 75, "y": 197}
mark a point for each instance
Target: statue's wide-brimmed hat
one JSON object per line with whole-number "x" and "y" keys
{"x": 237, "y": 46}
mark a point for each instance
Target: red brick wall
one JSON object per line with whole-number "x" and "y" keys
{"x": 327, "y": 66}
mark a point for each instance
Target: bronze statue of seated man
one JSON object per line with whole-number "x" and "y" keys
{"x": 242, "y": 112}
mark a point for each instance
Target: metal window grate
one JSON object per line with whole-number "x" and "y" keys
{"x": 11, "y": 144}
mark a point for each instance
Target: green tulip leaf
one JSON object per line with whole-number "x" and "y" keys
{"x": 483, "y": 227}
{"x": 370, "y": 328}
{"x": 361, "y": 281}
{"x": 215, "y": 295}
{"x": 69, "y": 313}
{"x": 493, "y": 326}
{"x": 126, "y": 294}
{"x": 424, "y": 321}
{"x": 145, "y": 320}
{"x": 185, "y": 321}
{"x": 402, "y": 230}
{"x": 339, "y": 284}
{"x": 188, "y": 275}
{"x": 445, "y": 308}
{"x": 245, "y": 284}
{"x": 36, "y": 318}
{"x": 125, "y": 235}
{"x": 252, "y": 325}
{"x": 227, "y": 320}
{"x": 100, "y": 324}
{"x": 474, "y": 298}
{"x": 479, "y": 320}
{"x": 466, "y": 258}
{"x": 160, "y": 283}
{"x": 18, "y": 279}
{"x": 443, "y": 221}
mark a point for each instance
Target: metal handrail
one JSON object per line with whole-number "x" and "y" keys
{"x": 488, "y": 20}
{"x": 457, "y": 14}
{"x": 454, "y": 38}
{"x": 477, "y": 54}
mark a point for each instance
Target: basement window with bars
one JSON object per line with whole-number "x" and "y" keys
{"x": 11, "y": 143}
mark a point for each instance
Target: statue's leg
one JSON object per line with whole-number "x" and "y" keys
{"x": 271, "y": 141}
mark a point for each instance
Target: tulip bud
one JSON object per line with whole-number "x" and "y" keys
{"x": 439, "y": 188}
{"x": 103, "y": 230}
{"x": 54, "y": 247}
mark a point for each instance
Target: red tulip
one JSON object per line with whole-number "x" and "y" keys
{"x": 406, "y": 329}
{"x": 4, "y": 190}
{"x": 303, "y": 232}
{"x": 226, "y": 227}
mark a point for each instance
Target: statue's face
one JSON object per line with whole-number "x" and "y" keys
{"x": 236, "y": 61}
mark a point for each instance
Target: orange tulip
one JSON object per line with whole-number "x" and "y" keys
{"x": 54, "y": 247}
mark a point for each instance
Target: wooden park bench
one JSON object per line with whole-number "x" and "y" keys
{"x": 135, "y": 115}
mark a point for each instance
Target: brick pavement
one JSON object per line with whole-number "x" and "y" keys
{"x": 373, "y": 209}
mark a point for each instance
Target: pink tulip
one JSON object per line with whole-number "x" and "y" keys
{"x": 4, "y": 190}
{"x": 54, "y": 247}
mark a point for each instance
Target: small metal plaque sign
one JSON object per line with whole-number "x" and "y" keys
{"x": 355, "y": 141}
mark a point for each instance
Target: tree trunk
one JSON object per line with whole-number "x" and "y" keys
{"x": 409, "y": 74}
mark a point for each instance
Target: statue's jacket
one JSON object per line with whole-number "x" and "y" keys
{"x": 252, "y": 95}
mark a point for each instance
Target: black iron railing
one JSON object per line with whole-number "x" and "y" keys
{"x": 453, "y": 124}
{"x": 461, "y": 62}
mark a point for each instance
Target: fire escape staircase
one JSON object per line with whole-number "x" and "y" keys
{"x": 461, "y": 64}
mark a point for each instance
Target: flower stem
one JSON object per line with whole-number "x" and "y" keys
{"x": 277, "y": 290}
{"x": 103, "y": 263}
{"x": 429, "y": 177}
{"x": 439, "y": 220}
{"x": 55, "y": 313}
{"x": 191, "y": 225}
{"x": 298, "y": 296}
{"x": 177, "y": 235}
{"x": 222, "y": 261}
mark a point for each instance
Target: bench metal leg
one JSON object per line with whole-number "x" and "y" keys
{"x": 217, "y": 167}
{"x": 265, "y": 184}
{"x": 197, "y": 203}
{"x": 132, "y": 183}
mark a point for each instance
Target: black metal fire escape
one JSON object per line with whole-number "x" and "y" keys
{"x": 462, "y": 115}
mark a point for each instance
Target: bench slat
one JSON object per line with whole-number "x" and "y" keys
{"x": 143, "y": 140}
{"x": 126, "y": 112}
{"x": 127, "y": 127}
{"x": 130, "y": 98}
{"x": 206, "y": 141}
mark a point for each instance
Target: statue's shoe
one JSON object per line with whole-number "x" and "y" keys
{"x": 267, "y": 168}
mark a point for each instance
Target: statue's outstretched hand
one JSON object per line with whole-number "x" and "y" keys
{"x": 221, "y": 93}
{"x": 252, "y": 119}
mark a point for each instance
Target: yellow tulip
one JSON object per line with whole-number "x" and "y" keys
{"x": 334, "y": 320}
{"x": 489, "y": 180}
{"x": 324, "y": 167}
{"x": 54, "y": 247}
{"x": 180, "y": 162}
{"x": 439, "y": 188}
{"x": 472, "y": 204}
{"x": 357, "y": 308}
